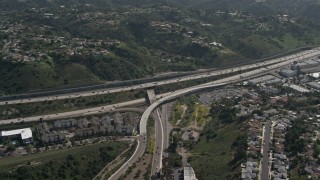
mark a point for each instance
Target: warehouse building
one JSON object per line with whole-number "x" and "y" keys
{"x": 310, "y": 70}
{"x": 263, "y": 79}
{"x": 287, "y": 73}
{"x": 298, "y": 88}
{"x": 308, "y": 64}
{"x": 314, "y": 85}
{"x": 25, "y": 135}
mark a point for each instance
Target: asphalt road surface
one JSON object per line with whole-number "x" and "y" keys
{"x": 221, "y": 82}
{"x": 265, "y": 159}
{"x": 139, "y": 151}
{"x": 78, "y": 113}
{"x": 163, "y": 97}
{"x": 305, "y": 54}
{"x": 280, "y": 62}
{"x": 157, "y": 156}
{"x": 167, "y": 127}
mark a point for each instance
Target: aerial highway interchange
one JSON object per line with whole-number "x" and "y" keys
{"x": 252, "y": 70}
{"x": 200, "y": 75}
{"x": 232, "y": 79}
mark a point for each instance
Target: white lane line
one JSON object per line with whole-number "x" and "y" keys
{"x": 126, "y": 163}
{"x": 160, "y": 166}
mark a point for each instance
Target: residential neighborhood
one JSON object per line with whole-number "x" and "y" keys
{"x": 70, "y": 132}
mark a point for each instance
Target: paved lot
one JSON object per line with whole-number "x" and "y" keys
{"x": 217, "y": 94}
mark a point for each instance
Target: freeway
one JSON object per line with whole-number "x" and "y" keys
{"x": 82, "y": 112}
{"x": 77, "y": 113}
{"x": 262, "y": 68}
{"x": 167, "y": 127}
{"x": 221, "y": 82}
{"x": 141, "y": 146}
{"x": 201, "y": 75}
{"x": 157, "y": 156}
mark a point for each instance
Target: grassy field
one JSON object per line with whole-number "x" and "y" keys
{"x": 200, "y": 114}
{"x": 179, "y": 113}
{"x": 189, "y": 114}
{"x": 210, "y": 159}
{"x": 82, "y": 162}
{"x": 151, "y": 136}
{"x": 45, "y": 74}
{"x": 288, "y": 41}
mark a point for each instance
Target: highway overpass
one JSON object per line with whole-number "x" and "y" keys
{"x": 221, "y": 82}
{"x": 260, "y": 69}
{"x": 45, "y": 96}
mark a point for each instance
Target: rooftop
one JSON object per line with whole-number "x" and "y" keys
{"x": 314, "y": 85}
{"x": 25, "y": 133}
{"x": 262, "y": 79}
{"x": 298, "y": 88}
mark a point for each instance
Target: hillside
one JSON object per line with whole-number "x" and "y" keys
{"x": 47, "y": 44}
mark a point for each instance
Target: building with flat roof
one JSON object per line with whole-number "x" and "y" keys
{"x": 315, "y": 75}
{"x": 298, "y": 88}
{"x": 313, "y": 69}
{"x": 262, "y": 79}
{"x": 287, "y": 73}
{"x": 67, "y": 123}
{"x": 25, "y": 134}
{"x": 314, "y": 85}
{"x": 307, "y": 64}
{"x": 53, "y": 137}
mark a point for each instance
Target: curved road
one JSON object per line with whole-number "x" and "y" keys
{"x": 307, "y": 53}
{"x": 221, "y": 82}
{"x": 82, "y": 112}
{"x": 270, "y": 65}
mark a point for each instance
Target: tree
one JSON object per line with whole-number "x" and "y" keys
{"x": 29, "y": 148}
{"x": 11, "y": 147}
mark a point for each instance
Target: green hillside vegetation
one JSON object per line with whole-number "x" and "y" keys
{"x": 151, "y": 37}
{"x": 186, "y": 114}
{"x": 38, "y": 75}
{"x": 221, "y": 148}
{"x": 71, "y": 163}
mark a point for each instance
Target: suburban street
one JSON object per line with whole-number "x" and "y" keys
{"x": 266, "y": 68}
{"x": 264, "y": 175}
{"x": 221, "y": 82}
{"x": 160, "y": 90}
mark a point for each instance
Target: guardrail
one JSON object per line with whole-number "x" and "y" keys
{"x": 87, "y": 88}
{"x": 131, "y": 82}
